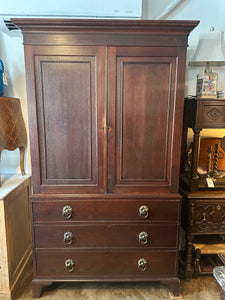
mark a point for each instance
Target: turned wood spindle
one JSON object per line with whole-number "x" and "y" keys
{"x": 215, "y": 166}
{"x": 209, "y": 160}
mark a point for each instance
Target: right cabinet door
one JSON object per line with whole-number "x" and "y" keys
{"x": 142, "y": 100}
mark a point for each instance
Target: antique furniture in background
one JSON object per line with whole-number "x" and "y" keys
{"x": 105, "y": 103}
{"x": 199, "y": 114}
{"x": 15, "y": 233}
{"x": 12, "y": 128}
{"x": 203, "y": 207}
{"x": 203, "y": 218}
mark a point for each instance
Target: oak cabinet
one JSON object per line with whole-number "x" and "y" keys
{"x": 105, "y": 108}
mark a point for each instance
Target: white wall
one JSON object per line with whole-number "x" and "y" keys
{"x": 12, "y": 55}
{"x": 210, "y": 13}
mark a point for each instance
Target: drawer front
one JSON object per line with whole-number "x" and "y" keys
{"x": 107, "y": 210}
{"x": 97, "y": 264}
{"x": 213, "y": 115}
{"x": 209, "y": 217}
{"x": 108, "y": 235}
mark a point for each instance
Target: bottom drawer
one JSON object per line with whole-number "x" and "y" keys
{"x": 106, "y": 263}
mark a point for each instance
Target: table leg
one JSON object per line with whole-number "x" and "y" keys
{"x": 22, "y": 154}
{"x": 195, "y": 154}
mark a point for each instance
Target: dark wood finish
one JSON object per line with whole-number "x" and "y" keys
{"x": 131, "y": 133}
{"x": 105, "y": 107}
{"x": 203, "y": 214}
{"x": 107, "y": 235}
{"x": 44, "y": 210}
{"x": 12, "y": 128}
{"x": 102, "y": 263}
{"x": 79, "y": 117}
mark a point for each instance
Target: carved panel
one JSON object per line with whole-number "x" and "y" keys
{"x": 209, "y": 217}
{"x": 214, "y": 114}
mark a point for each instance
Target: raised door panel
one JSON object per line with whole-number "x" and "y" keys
{"x": 141, "y": 118}
{"x": 70, "y": 112}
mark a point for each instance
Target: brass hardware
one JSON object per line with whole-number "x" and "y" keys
{"x": 68, "y": 238}
{"x": 142, "y": 264}
{"x": 143, "y": 238}
{"x": 143, "y": 211}
{"x": 69, "y": 265}
{"x": 218, "y": 207}
{"x": 67, "y": 211}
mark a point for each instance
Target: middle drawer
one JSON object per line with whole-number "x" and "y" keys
{"x": 107, "y": 235}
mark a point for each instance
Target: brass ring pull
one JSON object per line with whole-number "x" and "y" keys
{"x": 69, "y": 265}
{"x": 143, "y": 211}
{"x": 142, "y": 264}
{"x": 143, "y": 238}
{"x": 68, "y": 238}
{"x": 67, "y": 211}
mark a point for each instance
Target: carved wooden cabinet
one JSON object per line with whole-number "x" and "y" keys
{"x": 204, "y": 220}
{"x": 105, "y": 108}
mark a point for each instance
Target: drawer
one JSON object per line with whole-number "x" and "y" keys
{"x": 209, "y": 216}
{"x": 98, "y": 264}
{"x": 107, "y": 210}
{"x": 108, "y": 235}
{"x": 213, "y": 116}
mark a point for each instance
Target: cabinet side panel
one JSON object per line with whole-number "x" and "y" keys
{"x": 4, "y": 272}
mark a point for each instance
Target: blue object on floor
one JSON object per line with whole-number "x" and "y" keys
{"x": 2, "y": 86}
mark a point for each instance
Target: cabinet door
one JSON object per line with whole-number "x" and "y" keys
{"x": 142, "y": 113}
{"x": 68, "y": 112}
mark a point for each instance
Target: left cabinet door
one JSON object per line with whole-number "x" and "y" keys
{"x": 66, "y": 97}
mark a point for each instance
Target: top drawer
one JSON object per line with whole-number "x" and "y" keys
{"x": 105, "y": 210}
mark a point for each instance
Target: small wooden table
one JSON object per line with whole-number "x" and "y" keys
{"x": 199, "y": 114}
{"x": 203, "y": 215}
{"x": 12, "y": 128}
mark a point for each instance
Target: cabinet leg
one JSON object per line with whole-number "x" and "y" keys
{"x": 38, "y": 286}
{"x": 175, "y": 287}
{"x": 196, "y": 262}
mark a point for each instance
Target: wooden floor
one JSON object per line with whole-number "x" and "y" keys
{"x": 203, "y": 288}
